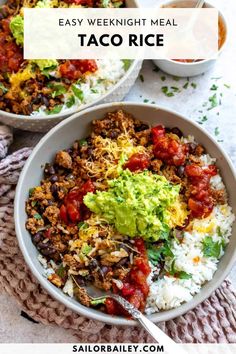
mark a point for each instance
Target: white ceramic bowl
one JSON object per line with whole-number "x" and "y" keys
{"x": 180, "y": 69}
{"x": 77, "y": 127}
{"x": 44, "y": 123}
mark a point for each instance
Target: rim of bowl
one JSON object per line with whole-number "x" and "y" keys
{"x": 221, "y": 14}
{"x": 82, "y": 310}
{"x": 51, "y": 117}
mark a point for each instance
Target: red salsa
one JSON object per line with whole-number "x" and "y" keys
{"x": 74, "y": 69}
{"x": 168, "y": 149}
{"x": 200, "y": 202}
{"x": 135, "y": 288}
{"x": 137, "y": 162}
{"x": 73, "y": 209}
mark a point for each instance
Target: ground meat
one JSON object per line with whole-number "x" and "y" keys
{"x": 52, "y": 214}
{"x": 42, "y": 193}
{"x": 82, "y": 296}
{"x": 33, "y": 224}
{"x": 63, "y": 159}
{"x": 219, "y": 196}
{"x": 156, "y": 165}
{"x": 69, "y": 260}
{"x": 199, "y": 150}
{"x": 143, "y": 137}
{"x": 170, "y": 173}
{"x": 118, "y": 122}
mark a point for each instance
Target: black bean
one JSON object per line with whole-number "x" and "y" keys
{"x": 93, "y": 264}
{"x": 37, "y": 237}
{"x": 177, "y": 132}
{"x": 54, "y": 190}
{"x": 192, "y": 147}
{"x": 45, "y": 101}
{"x": 114, "y": 134}
{"x": 48, "y": 251}
{"x": 122, "y": 262}
{"x": 105, "y": 269}
{"x": 53, "y": 178}
{"x": 46, "y": 168}
{"x": 80, "y": 280}
{"x": 37, "y": 99}
{"x": 42, "y": 246}
{"x": 51, "y": 170}
{"x": 90, "y": 152}
{"x": 141, "y": 128}
{"x": 69, "y": 151}
{"x": 180, "y": 171}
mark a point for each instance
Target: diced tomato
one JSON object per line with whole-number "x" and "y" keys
{"x": 143, "y": 265}
{"x": 74, "y": 69}
{"x": 85, "y": 65}
{"x": 73, "y": 212}
{"x": 69, "y": 71}
{"x": 200, "y": 202}
{"x": 157, "y": 132}
{"x": 110, "y": 306}
{"x": 11, "y": 55}
{"x": 63, "y": 214}
{"x": 168, "y": 149}
{"x": 127, "y": 289}
{"x": 73, "y": 208}
{"x": 137, "y": 162}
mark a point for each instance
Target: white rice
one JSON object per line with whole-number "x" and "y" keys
{"x": 93, "y": 86}
{"x": 170, "y": 292}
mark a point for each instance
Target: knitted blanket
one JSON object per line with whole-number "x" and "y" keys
{"x": 213, "y": 321}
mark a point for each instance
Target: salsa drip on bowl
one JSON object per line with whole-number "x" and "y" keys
{"x": 44, "y": 87}
{"x": 110, "y": 207}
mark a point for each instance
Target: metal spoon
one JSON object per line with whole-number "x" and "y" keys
{"x": 157, "y": 334}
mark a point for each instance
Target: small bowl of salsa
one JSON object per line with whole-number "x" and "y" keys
{"x": 189, "y": 67}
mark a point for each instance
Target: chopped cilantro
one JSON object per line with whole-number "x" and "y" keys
{"x": 70, "y": 102}
{"x": 58, "y": 90}
{"x": 211, "y": 248}
{"x": 216, "y": 78}
{"x": 213, "y": 101}
{"x": 166, "y": 91}
{"x": 217, "y": 131}
{"x": 141, "y": 78}
{"x": 186, "y": 85}
{"x": 3, "y": 88}
{"x": 163, "y": 78}
{"x": 127, "y": 63}
{"x": 93, "y": 90}
{"x": 37, "y": 216}
{"x": 61, "y": 271}
{"x": 82, "y": 225}
{"x": 83, "y": 142}
{"x": 214, "y": 87}
{"x": 175, "y": 89}
{"x": 56, "y": 109}
{"x": 47, "y": 71}
{"x": 158, "y": 252}
{"x": 78, "y": 93}
{"x": 31, "y": 191}
{"x": 156, "y": 69}
{"x": 145, "y": 100}
{"x": 194, "y": 85}
{"x": 85, "y": 249}
{"x": 227, "y": 86}
{"x": 179, "y": 273}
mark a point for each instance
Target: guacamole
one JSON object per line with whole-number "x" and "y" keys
{"x": 141, "y": 204}
{"x": 45, "y": 64}
{"x": 17, "y": 29}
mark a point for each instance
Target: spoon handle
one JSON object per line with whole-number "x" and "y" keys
{"x": 150, "y": 327}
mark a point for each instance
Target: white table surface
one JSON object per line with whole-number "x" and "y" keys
{"x": 220, "y": 120}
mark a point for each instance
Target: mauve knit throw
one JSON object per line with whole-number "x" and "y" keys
{"x": 213, "y": 321}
